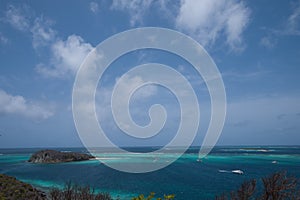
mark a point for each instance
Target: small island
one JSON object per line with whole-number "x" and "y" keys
{"x": 52, "y": 156}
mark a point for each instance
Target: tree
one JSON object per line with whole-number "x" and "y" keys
{"x": 278, "y": 186}
{"x": 245, "y": 191}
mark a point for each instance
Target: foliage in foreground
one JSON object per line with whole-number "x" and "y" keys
{"x": 275, "y": 187}
{"x": 151, "y": 197}
{"x": 76, "y": 192}
{"x": 278, "y": 186}
{"x": 11, "y": 188}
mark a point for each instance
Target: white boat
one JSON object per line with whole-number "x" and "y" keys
{"x": 237, "y": 171}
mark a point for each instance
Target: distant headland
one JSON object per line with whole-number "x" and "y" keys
{"x": 53, "y": 156}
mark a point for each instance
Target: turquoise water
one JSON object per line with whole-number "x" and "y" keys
{"x": 186, "y": 178}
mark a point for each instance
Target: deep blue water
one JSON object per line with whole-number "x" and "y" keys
{"x": 186, "y": 178}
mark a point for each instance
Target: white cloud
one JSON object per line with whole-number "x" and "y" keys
{"x": 293, "y": 22}
{"x": 291, "y": 26}
{"x": 39, "y": 28}
{"x": 128, "y": 83}
{"x": 16, "y": 17}
{"x": 42, "y": 33}
{"x": 208, "y": 20}
{"x": 94, "y": 7}
{"x": 18, "y": 105}
{"x": 136, "y": 8}
{"x": 66, "y": 57}
{"x": 3, "y": 39}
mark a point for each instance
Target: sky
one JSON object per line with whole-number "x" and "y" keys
{"x": 255, "y": 45}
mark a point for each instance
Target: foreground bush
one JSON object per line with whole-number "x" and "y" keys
{"x": 151, "y": 197}
{"x": 76, "y": 192}
{"x": 278, "y": 186}
{"x": 11, "y": 188}
{"x": 275, "y": 187}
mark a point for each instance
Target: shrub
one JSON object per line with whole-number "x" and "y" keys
{"x": 278, "y": 186}
{"x": 151, "y": 197}
{"x": 76, "y": 192}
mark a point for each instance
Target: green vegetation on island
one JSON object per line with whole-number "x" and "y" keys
{"x": 52, "y": 156}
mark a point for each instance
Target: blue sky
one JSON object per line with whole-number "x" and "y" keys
{"x": 255, "y": 44}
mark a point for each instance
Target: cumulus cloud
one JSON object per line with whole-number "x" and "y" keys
{"x": 18, "y": 105}
{"x": 136, "y": 8}
{"x": 39, "y": 28}
{"x": 17, "y": 17}
{"x": 42, "y": 33}
{"x": 207, "y": 20}
{"x": 66, "y": 57}
{"x": 94, "y": 7}
{"x": 130, "y": 82}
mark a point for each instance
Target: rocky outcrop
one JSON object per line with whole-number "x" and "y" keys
{"x": 52, "y": 156}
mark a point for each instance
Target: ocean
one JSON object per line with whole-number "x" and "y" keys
{"x": 187, "y": 178}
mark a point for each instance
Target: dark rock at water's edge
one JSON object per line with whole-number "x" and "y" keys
{"x": 11, "y": 188}
{"x": 52, "y": 156}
